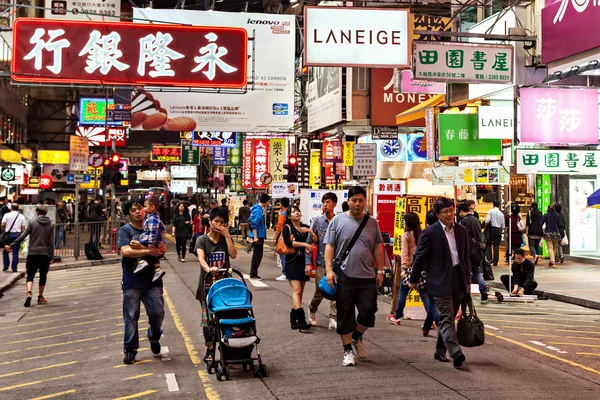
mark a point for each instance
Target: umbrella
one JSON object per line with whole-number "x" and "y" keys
{"x": 593, "y": 200}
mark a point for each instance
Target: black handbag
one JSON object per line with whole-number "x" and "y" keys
{"x": 488, "y": 272}
{"x": 4, "y": 239}
{"x": 470, "y": 329}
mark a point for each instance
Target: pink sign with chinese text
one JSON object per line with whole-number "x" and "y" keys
{"x": 410, "y": 85}
{"x": 260, "y": 162}
{"x": 247, "y": 169}
{"x": 553, "y": 116}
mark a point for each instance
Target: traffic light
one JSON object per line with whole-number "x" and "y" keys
{"x": 111, "y": 173}
{"x": 292, "y": 169}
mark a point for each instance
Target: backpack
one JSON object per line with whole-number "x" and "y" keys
{"x": 92, "y": 252}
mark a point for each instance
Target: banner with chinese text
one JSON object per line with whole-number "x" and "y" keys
{"x": 277, "y": 159}
{"x": 458, "y": 137}
{"x": 219, "y": 156}
{"x": 247, "y": 167}
{"x": 315, "y": 168}
{"x": 260, "y": 161}
{"x": 190, "y": 155}
{"x": 235, "y": 173}
{"x": 79, "y": 150}
{"x": 557, "y": 162}
{"x": 164, "y": 153}
{"x": 211, "y": 139}
{"x": 235, "y": 155}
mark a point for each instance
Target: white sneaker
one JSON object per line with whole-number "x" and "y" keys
{"x": 142, "y": 264}
{"x": 359, "y": 348}
{"x": 281, "y": 277}
{"x": 332, "y": 324}
{"x": 312, "y": 318}
{"x": 349, "y": 360}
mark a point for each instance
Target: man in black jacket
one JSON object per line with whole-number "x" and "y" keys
{"x": 443, "y": 252}
{"x": 523, "y": 270}
{"x": 469, "y": 221}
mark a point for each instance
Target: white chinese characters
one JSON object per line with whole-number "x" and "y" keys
{"x": 50, "y": 45}
{"x": 103, "y": 53}
{"x": 154, "y": 49}
{"x": 569, "y": 120}
{"x": 212, "y": 54}
{"x": 546, "y": 108}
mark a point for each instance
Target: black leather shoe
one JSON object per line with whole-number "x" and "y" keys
{"x": 440, "y": 358}
{"x": 459, "y": 359}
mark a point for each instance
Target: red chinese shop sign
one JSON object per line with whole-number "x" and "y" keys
{"x": 247, "y": 158}
{"x": 126, "y": 53}
{"x": 331, "y": 150}
{"x": 261, "y": 162}
{"x": 162, "y": 153}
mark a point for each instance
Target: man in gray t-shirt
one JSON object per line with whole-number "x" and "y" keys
{"x": 360, "y": 276}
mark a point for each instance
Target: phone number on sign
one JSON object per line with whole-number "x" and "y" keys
{"x": 96, "y": 12}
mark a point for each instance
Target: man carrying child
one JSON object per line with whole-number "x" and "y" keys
{"x": 153, "y": 236}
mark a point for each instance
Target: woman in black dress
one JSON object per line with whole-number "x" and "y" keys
{"x": 295, "y": 234}
{"x": 182, "y": 226}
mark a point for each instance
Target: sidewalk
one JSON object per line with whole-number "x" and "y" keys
{"x": 571, "y": 282}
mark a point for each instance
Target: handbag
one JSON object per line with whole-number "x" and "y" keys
{"x": 565, "y": 241}
{"x": 327, "y": 291}
{"x": 4, "y": 239}
{"x": 281, "y": 248}
{"x": 470, "y": 329}
{"x": 486, "y": 269}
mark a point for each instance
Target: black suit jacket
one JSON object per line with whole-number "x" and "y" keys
{"x": 433, "y": 256}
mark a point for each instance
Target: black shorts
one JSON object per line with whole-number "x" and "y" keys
{"x": 355, "y": 293}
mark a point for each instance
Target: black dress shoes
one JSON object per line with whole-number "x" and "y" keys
{"x": 459, "y": 359}
{"x": 441, "y": 358}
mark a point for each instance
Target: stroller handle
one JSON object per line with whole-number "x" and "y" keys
{"x": 210, "y": 274}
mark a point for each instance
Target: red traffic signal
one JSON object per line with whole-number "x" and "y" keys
{"x": 292, "y": 160}
{"x": 115, "y": 158}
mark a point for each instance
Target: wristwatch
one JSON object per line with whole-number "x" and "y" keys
{"x": 381, "y": 272}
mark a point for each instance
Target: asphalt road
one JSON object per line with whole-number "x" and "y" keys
{"x": 71, "y": 348}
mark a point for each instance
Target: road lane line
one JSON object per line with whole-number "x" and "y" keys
{"x": 189, "y": 345}
{"x": 43, "y": 346}
{"x": 172, "y": 384}
{"x": 38, "y": 369}
{"x": 211, "y": 393}
{"x": 254, "y": 282}
{"x": 51, "y": 336}
{"x": 137, "y": 376}
{"x": 20, "y": 385}
{"x": 136, "y": 395}
{"x": 55, "y": 327}
{"x": 51, "y": 315}
{"x": 588, "y": 354}
{"x": 543, "y": 353}
{"x": 536, "y": 323}
{"x": 51, "y": 396}
{"x": 576, "y": 344}
{"x": 135, "y": 363}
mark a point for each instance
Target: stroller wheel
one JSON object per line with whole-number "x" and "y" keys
{"x": 226, "y": 373}
{"x": 263, "y": 369}
{"x": 256, "y": 372}
{"x": 219, "y": 373}
{"x": 209, "y": 367}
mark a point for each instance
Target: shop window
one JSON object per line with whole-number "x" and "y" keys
{"x": 360, "y": 79}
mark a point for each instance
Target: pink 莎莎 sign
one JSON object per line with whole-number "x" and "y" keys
{"x": 410, "y": 85}
{"x": 569, "y": 28}
{"x": 554, "y": 116}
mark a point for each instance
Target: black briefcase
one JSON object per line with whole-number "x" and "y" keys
{"x": 470, "y": 330}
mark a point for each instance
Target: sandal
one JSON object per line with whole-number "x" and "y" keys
{"x": 42, "y": 300}
{"x": 28, "y": 297}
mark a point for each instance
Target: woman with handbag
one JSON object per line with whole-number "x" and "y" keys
{"x": 295, "y": 235}
{"x": 534, "y": 231}
{"x": 551, "y": 233}
{"x": 562, "y": 226}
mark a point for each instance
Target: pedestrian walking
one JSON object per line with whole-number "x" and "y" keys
{"x": 282, "y": 219}
{"x": 517, "y": 228}
{"x": 139, "y": 288}
{"x": 522, "y": 280}
{"x": 494, "y": 226}
{"x": 562, "y": 229}
{"x": 550, "y": 226}
{"x": 13, "y": 223}
{"x": 295, "y": 235}
{"x": 215, "y": 249}
{"x": 358, "y": 280}
{"x": 475, "y": 241}
{"x": 258, "y": 230}
{"x": 443, "y": 252}
{"x": 181, "y": 230}
{"x": 319, "y": 226}
{"x": 62, "y": 219}
{"x": 534, "y": 231}
{"x": 40, "y": 253}
{"x": 95, "y": 217}
{"x": 243, "y": 219}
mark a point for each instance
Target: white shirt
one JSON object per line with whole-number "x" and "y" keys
{"x": 9, "y": 218}
{"x": 496, "y": 217}
{"x": 451, "y": 243}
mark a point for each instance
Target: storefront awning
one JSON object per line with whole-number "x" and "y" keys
{"x": 418, "y": 111}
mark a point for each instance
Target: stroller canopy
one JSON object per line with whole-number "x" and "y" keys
{"x": 228, "y": 294}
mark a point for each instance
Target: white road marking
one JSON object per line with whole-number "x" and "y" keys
{"x": 172, "y": 383}
{"x": 492, "y": 327}
{"x": 552, "y": 348}
{"x": 255, "y": 283}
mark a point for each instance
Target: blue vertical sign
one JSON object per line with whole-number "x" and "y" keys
{"x": 219, "y": 156}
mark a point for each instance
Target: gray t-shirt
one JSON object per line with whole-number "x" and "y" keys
{"x": 360, "y": 263}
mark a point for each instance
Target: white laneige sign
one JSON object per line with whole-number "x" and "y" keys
{"x": 496, "y": 122}
{"x": 356, "y": 36}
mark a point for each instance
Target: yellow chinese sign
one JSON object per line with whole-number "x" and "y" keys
{"x": 26, "y": 154}
{"x": 277, "y": 159}
{"x": 53, "y": 156}
{"x": 10, "y": 156}
{"x": 399, "y": 224}
{"x": 415, "y": 204}
{"x": 315, "y": 168}
{"x": 429, "y": 23}
{"x": 349, "y": 154}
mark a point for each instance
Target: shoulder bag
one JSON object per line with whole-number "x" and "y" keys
{"x": 327, "y": 291}
{"x": 470, "y": 330}
{"x": 4, "y": 239}
{"x": 281, "y": 248}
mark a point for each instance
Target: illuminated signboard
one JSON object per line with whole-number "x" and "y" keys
{"x": 92, "y": 111}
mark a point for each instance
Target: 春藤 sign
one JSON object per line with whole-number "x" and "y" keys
{"x": 558, "y": 162}
{"x": 462, "y": 62}
{"x": 459, "y": 137}
{"x": 125, "y": 53}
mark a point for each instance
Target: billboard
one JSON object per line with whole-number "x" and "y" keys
{"x": 325, "y": 97}
{"x": 266, "y": 108}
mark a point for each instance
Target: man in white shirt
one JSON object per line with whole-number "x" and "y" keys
{"x": 13, "y": 223}
{"x": 493, "y": 232}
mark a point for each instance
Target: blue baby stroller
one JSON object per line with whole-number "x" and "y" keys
{"x": 233, "y": 327}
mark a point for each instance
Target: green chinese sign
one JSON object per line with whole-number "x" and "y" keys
{"x": 458, "y": 138}
{"x": 559, "y": 162}
{"x": 235, "y": 155}
{"x": 190, "y": 155}
{"x": 235, "y": 174}
{"x": 462, "y": 62}
{"x": 542, "y": 196}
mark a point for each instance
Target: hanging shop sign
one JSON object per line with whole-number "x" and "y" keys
{"x": 46, "y": 182}
{"x": 496, "y": 122}
{"x": 557, "y": 162}
{"x": 33, "y": 182}
{"x": 260, "y": 162}
{"x": 567, "y": 26}
{"x": 10, "y": 156}
{"x": 284, "y": 189}
{"x": 470, "y": 176}
{"x": 399, "y": 224}
{"x": 404, "y": 83}
{"x": 356, "y": 36}
{"x": 153, "y": 175}
{"x": 303, "y": 154}
{"x": 555, "y": 117}
{"x": 397, "y": 187}
{"x": 125, "y": 53}
{"x": 97, "y": 135}
{"x": 8, "y": 175}
{"x": 181, "y": 186}
{"x": 164, "y": 153}
{"x": 76, "y": 10}
{"x": 267, "y": 108}
{"x": 459, "y": 137}
{"x": 349, "y": 154}
{"x": 384, "y": 133}
{"x": 92, "y": 111}
{"x": 190, "y": 155}
{"x": 365, "y": 159}
{"x": 184, "y": 171}
{"x": 53, "y": 156}
{"x": 235, "y": 174}
{"x": 219, "y": 156}
{"x": 462, "y": 62}
{"x": 211, "y": 139}
{"x": 408, "y": 147}
{"x": 430, "y": 23}
{"x": 235, "y": 155}
{"x": 429, "y": 135}
{"x": 247, "y": 171}
{"x": 79, "y": 150}
{"x": 315, "y": 168}
{"x": 277, "y": 158}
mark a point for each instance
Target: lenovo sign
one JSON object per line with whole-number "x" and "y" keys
{"x": 353, "y": 36}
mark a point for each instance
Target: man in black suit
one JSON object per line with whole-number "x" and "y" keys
{"x": 443, "y": 252}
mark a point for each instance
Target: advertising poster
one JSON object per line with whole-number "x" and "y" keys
{"x": 324, "y": 97}
{"x": 284, "y": 189}
{"x": 311, "y": 205}
{"x": 409, "y": 147}
{"x": 582, "y": 231}
{"x": 260, "y": 161}
{"x": 266, "y": 108}
{"x": 277, "y": 158}
{"x": 247, "y": 177}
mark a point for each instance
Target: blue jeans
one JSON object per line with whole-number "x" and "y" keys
{"x": 534, "y": 246}
{"x": 15, "y": 252}
{"x": 282, "y": 263}
{"x": 60, "y": 230}
{"x": 155, "y": 309}
{"x": 401, "y": 301}
{"x": 433, "y": 315}
{"x": 478, "y": 278}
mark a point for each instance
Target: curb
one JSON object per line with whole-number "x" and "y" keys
{"x": 84, "y": 264}
{"x": 563, "y": 298}
{"x": 12, "y": 279}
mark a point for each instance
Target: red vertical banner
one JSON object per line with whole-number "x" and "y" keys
{"x": 260, "y": 161}
{"x": 247, "y": 168}
{"x": 329, "y": 154}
